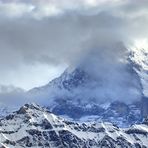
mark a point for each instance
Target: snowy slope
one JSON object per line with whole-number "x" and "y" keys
{"x": 139, "y": 58}
{"x": 68, "y": 96}
{"x": 74, "y": 95}
{"x": 33, "y": 126}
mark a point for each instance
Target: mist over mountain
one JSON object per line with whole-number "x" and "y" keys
{"x": 55, "y": 35}
{"x": 95, "y": 53}
{"x": 105, "y": 76}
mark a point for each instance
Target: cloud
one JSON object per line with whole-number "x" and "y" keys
{"x": 116, "y": 80}
{"x": 39, "y": 9}
{"x": 12, "y": 96}
{"x": 37, "y": 33}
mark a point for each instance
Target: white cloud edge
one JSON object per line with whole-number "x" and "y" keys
{"x": 41, "y": 8}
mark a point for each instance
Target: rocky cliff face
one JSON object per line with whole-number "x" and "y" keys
{"x": 76, "y": 93}
{"x": 33, "y": 126}
{"x": 73, "y": 94}
{"x": 144, "y": 107}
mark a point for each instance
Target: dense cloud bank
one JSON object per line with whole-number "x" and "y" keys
{"x": 94, "y": 34}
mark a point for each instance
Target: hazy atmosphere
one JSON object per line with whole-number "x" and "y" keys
{"x": 39, "y": 39}
{"x": 74, "y": 73}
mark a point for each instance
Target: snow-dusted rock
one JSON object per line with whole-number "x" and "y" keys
{"x": 34, "y": 126}
{"x": 72, "y": 95}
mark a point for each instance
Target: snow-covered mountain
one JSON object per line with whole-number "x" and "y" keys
{"x": 34, "y": 126}
{"x": 73, "y": 94}
{"x": 139, "y": 59}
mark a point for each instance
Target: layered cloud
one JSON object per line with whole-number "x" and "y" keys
{"x": 37, "y": 33}
{"x": 45, "y": 8}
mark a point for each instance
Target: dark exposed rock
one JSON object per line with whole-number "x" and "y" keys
{"x": 22, "y": 110}
{"x": 137, "y": 131}
{"x": 145, "y": 121}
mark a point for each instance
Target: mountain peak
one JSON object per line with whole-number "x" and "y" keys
{"x": 71, "y": 79}
{"x": 32, "y": 107}
{"x": 44, "y": 129}
{"x": 77, "y": 93}
{"x": 145, "y": 121}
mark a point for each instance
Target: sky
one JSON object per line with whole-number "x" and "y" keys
{"x": 39, "y": 39}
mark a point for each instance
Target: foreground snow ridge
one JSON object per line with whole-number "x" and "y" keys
{"x": 34, "y": 126}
